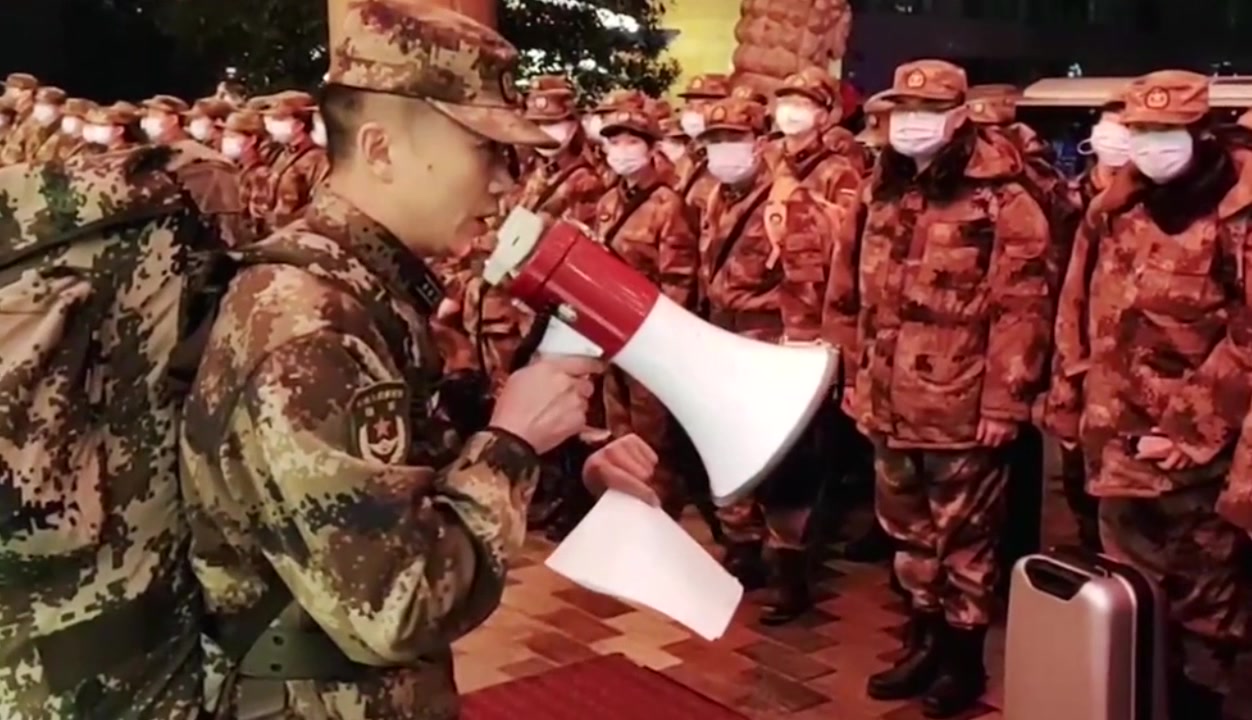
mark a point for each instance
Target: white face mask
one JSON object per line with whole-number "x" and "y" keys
{"x": 319, "y": 132}
{"x": 4, "y": 122}
{"x": 794, "y": 119}
{"x": 201, "y": 129}
{"x": 560, "y": 132}
{"x": 153, "y": 127}
{"x": 732, "y": 163}
{"x": 1161, "y": 155}
{"x": 692, "y": 122}
{"x": 45, "y": 114}
{"x": 98, "y": 134}
{"x": 918, "y": 133}
{"x": 675, "y": 150}
{"x": 232, "y": 147}
{"x": 1110, "y": 141}
{"x": 71, "y": 126}
{"x": 592, "y": 125}
{"x": 626, "y": 160}
{"x": 281, "y": 130}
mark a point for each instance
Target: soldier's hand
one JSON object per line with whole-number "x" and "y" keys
{"x": 995, "y": 433}
{"x": 1163, "y": 450}
{"x": 845, "y": 402}
{"x": 448, "y": 309}
{"x": 545, "y": 403}
{"x": 625, "y": 465}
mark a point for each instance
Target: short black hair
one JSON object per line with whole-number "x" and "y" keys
{"x": 344, "y": 109}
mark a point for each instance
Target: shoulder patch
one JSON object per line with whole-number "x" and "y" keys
{"x": 379, "y": 417}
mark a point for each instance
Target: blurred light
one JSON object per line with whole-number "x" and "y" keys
{"x": 607, "y": 18}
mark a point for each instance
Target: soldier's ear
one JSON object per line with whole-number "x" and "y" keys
{"x": 373, "y": 147}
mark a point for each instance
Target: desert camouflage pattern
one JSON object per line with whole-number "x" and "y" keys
{"x": 1203, "y": 563}
{"x": 316, "y": 458}
{"x": 955, "y": 313}
{"x": 819, "y": 167}
{"x": 60, "y": 147}
{"x": 22, "y": 144}
{"x": 1150, "y": 337}
{"x": 99, "y": 608}
{"x": 256, "y": 185}
{"x": 656, "y": 240}
{"x": 946, "y": 511}
{"x": 296, "y": 175}
{"x": 694, "y": 182}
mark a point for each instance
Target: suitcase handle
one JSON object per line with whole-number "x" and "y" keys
{"x": 1055, "y": 580}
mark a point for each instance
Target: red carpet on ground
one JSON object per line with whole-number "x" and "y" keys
{"x": 606, "y": 688}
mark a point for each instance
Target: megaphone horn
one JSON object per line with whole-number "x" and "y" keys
{"x": 744, "y": 403}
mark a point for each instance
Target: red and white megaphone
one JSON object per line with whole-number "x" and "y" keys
{"x": 742, "y": 402}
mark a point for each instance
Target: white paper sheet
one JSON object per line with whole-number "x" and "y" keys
{"x": 634, "y": 552}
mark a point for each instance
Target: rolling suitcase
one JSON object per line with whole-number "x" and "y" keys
{"x": 1086, "y": 640}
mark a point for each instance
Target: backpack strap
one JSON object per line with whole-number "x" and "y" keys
{"x": 732, "y": 238}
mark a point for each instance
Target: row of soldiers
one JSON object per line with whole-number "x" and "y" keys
{"x": 277, "y": 141}
{"x": 939, "y": 254}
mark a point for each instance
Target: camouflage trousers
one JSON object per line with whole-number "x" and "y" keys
{"x": 778, "y": 513}
{"x": 946, "y": 512}
{"x": 630, "y": 408}
{"x": 1204, "y": 567}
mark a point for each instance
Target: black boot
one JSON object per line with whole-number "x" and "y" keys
{"x": 962, "y": 676}
{"x": 871, "y": 548}
{"x": 791, "y": 583}
{"x": 916, "y": 669}
{"x": 743, "y": 560}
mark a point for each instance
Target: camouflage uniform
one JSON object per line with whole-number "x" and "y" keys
{"x": 316, "y": 466}
{"x": 254, "y": 173}
{"x": 8, "y": 119}
{"x": 762, "y": 269}
{"x": 954, "y": 329}
{"x": 1152, "y": 340}
{"x": 807, "y": 156}
{"x": 168, "y": 105}
{"x": 301, "y": 168}
{"x": 643, "y": 221}
{"x": 121, "y": 115}
{"x": 62, "y": 145}
{"x": 30, "y": 137}
{"x": 99, "y": 608}
{"x": 214, "y": 113}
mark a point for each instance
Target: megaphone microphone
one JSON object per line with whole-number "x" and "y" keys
{"x": 744, "y": 403}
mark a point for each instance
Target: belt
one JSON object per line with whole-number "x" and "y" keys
{"x": 287, "y": 653}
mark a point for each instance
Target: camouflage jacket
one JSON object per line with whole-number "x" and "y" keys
{"x": 770, "y": 284}
{"x": 313, "y": 458}
{"x": 955, "y": 313}
{"x": 1091, "y": 183}
{"x": 840, "y": 140}
{"x": 1152, "y": 332}
{"x": 60, "y": 147}
{"x": 821, "y": 169}
{"x": 575, "y": 197}
{"x": 100, "y": 614}
{"x": 13, "y": 151}
{"x": 695, "y": 183}
{"x": 655, "y": 239}
{"x": 294, "y": 177}
{"x": 255, "y": 187}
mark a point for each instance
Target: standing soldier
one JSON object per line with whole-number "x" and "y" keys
{"x": 242, "y": 140}
{"x": 695, "y": 183}
{"x": 954, "y": 328}
{"x": 19, "y": 88}
{"x": 112, "y": 128}
{"x": 205, "y": 120}
{"x": 764, "y": 280}
{"x": 643, "y": 221}
{"x": 67, "y": 141}
{"x": 616, "y": 100}
{"x": 302, "y": 166}
{"x": 43, "y": 123}
{"x": 162, "y": 121}
{"x": 1153, "y": 372}
{"x": 320, "y": 476}
{"x": 674, "y": 143}
{"x": 803, "y": 107}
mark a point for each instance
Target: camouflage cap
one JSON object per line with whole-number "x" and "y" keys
{"x": 119, "y": 113}
{"x": 631, "y": 120}
{"x": 420, "y": 49}
{"x": 289, "y": 103}
{"x": 620, "y": 100}
{"x": 812, "y": 82}
{"x": 21, "y": 81}
{"x": 166, "y": 103}
{"x": 710, "y": 86}
{"x": 879, "y": 104}
{"x": 550, "y": 106}
{"x": 659, "y": 109}
{"x": 78, "y": 107}
{"x": 551, "y": 83}
{"x": 1167, "y": 97}
{"x": 50, "y": 96}
{"x": 247, "y": 122}
{"x": 929, "y": 80}
{"x": 749, "y": 93}
{"x": 734, "y": 113}
{"x": 875, "y": 132}
{"x": 259, "y": 103}
{"x": 672, "y": 129}
{"x": 212, "y": 108}
{"x": 992, "y": 104}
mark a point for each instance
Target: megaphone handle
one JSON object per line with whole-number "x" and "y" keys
{"x": 561, "y": 339}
